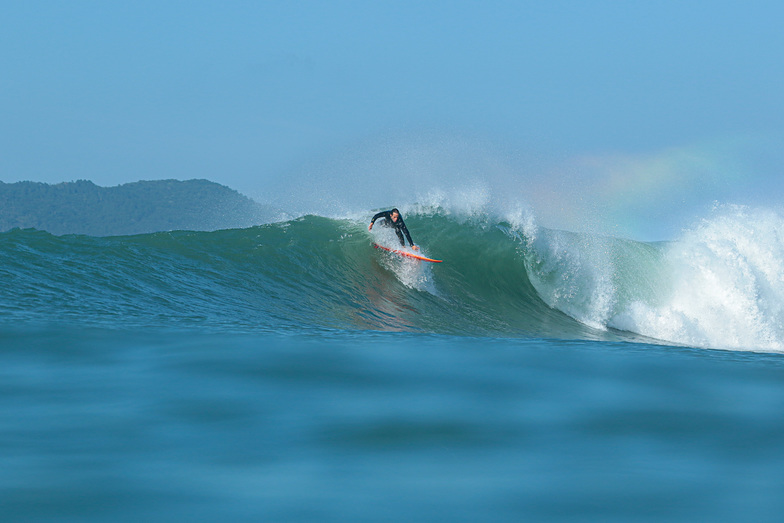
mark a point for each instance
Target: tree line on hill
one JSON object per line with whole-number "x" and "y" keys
{"x": 82, "y": 207}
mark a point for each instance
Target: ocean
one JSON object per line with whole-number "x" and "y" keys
{"x": 291, "y": 372}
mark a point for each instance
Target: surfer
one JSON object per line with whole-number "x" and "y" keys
{"x": 393, "y": 219}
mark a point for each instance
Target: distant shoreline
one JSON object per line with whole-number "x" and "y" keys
{"x": 82, "y": 207}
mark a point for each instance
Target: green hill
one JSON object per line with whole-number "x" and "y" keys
{"x": 148, "y": 206}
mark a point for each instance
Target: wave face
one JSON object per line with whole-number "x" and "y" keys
{"x": 719, "y": 286}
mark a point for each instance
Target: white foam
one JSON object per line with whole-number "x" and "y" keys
{"x": 727, "y": 285}
{"x": 412, "y": 273}
{"x": 721, "y": 285}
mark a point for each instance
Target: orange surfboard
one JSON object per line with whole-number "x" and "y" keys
{"x": 406, "y": 253}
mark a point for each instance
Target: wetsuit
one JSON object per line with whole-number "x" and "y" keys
{"x": 399, "y": 226}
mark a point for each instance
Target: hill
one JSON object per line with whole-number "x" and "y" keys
{"x": 82, "y": 207}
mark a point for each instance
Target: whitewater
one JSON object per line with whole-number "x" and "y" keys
{"x": 291, "y": 372}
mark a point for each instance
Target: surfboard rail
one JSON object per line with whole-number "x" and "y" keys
{"x": 407, "y": 254}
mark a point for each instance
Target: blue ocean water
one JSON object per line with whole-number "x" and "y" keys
{"x": 291, "y": 372}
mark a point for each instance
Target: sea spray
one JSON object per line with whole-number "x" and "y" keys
{"x": 727, "y": 288}
{"x": 593, "y": 278}
{"x": 412, "y": 273}
{"x": 721, "y": 285}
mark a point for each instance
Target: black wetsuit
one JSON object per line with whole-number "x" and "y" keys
{"x": 399, "y": 225}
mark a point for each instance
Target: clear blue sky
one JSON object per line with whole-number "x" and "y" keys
{"x": 611, "y": 93}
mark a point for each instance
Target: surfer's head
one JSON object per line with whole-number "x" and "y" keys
{"x": 394, "y": 214}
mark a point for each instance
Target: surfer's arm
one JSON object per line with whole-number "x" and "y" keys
{"x": 408, "y": 235}
{"x": 376, "y": 217}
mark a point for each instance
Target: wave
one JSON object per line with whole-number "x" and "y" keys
{"x": 718, "y": 286}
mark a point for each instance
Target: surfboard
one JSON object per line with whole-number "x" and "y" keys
{"x": 407, "y": 254}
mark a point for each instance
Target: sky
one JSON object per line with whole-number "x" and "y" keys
{"x": 642, "y": 113}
